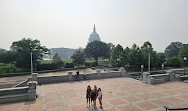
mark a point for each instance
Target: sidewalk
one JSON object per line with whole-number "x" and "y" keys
{"x": 119, "y": 94}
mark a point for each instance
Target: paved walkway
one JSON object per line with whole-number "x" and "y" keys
{"x": 119, "y": 94}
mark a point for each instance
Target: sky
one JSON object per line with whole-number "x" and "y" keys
{"x": 68, "y": 23}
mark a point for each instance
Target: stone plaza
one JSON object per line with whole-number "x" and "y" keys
{"x": 119, "y": 94}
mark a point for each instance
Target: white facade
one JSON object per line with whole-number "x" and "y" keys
{"x": 64, "y": 53}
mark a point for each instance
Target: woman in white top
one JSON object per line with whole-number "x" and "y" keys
{"x": 100, "y": 97}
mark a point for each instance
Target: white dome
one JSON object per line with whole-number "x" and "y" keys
{"x": 94, "y": 36}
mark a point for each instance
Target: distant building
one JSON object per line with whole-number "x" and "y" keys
{"x": 64, "y": 53}
{"x": 94, "y": 36}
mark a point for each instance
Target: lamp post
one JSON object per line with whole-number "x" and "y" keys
{"x": 162, "y": 68}
{"x": 148, "y": 46}
{"x": 31, "y": 49}
{"x": 118, "y": 62}
{"x": 185, "y": 59}
{"x": 142, "y": 67}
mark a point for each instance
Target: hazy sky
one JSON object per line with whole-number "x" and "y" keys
{"x": 68, "y": 23}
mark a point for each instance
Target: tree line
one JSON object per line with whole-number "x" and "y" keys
{"x": 131, "y": 57}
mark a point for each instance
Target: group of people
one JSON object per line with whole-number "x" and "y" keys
{"x": 92, "y": 95}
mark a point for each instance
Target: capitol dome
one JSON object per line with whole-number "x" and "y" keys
{"x": 94, "y": 36}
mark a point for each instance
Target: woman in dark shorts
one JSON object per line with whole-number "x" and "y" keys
{"x": 88, "y": 95}
{"x": 95, "y": 94}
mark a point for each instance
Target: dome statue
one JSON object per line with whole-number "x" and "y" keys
{"x": 94, "y": 36}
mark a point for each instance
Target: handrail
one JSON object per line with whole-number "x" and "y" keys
{"x": 171, "y": 109}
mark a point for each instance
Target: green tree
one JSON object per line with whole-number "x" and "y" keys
{"x": 57, "y": 60}
{"x": 2, "y": 52}
{"x": 126, "y": 56}
{"x": 173, "y": 62}
{"x": 173, "y": 49}
{"x": 78, "y": 58}
{"x": 23, "y": 50}
{"x": 117, "y": 56}
{"x": 134, "y": 57}
{"x": 8, "y": 57}
{"x": 183, "y": 53}
{"x": 160, "y": 59}
{"x": 97, "y": 49}
{"x": 111, "y": 46}
{"x": 145, "y": 50}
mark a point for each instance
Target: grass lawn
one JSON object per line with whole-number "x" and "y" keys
{"x": 5, "y": 68}
{"x": 66, "y": 61}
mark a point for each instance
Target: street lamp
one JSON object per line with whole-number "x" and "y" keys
{"x": 162, "y": 67}
{"x": 118, "y": 61}
{"x": 142, "y": 67}
{"x": 31, "y": 49}
{"x": 148, "y": 46}
{"x": 185, "y": 59}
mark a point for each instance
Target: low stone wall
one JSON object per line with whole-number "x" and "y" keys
{"x": 8, "y": 95}
{"x": 39, "y": 72}
{"x": 69, "y": 78}
{"x": 52, "y": 79}
{"x": 158, "y": 78}
{"x": 22, "y": 84}
{"x": 8, "y": 85}
{"x": 16, "y": 94}
{"x": 9, "y": 91}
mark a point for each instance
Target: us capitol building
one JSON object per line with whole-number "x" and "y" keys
{"x": 66, "y": 53}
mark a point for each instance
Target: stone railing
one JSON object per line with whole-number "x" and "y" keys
{"x": 70, "y": 77}
{"x": 159, "y": 78}
{"x": 17, "y": 93}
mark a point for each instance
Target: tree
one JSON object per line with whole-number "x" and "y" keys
{"x": 183, "y": 53}
{"x": 78, "y": 58}
{"x": 117, "y": 56}
{"x": 173, "y": 49}
{"x": 145, "y": 50}
{"x": 97, "y": 49}
{"x": 160, "y": 59}
{"x": 23, "y": 50}
{"x": 173, "y": 62}
{"x": 134, "y": 57}
{"x": 7, "y": 56}
{"x": 2, "y": 50}
{"x": 111, "y": 46}
{"x": 57, "y": 60}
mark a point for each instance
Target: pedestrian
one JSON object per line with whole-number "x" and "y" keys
{"x": 100, "y": 97}
{"x": 88, "y": 95}
{"x": 77, "y": 75}
{"x": 95, "y": 93}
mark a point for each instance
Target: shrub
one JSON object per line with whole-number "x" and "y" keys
{"x": 69, "y": 65}
{"x": 49, "y": 66}
{"x": 88, "y": 64}
{"x": 94, "y": 64}
{"x": 173, "y": 62}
